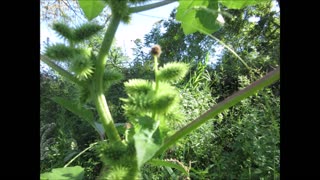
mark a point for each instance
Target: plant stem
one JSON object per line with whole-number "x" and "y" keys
{"x": 223, "y": 44}
{"x": 267, "y": 80}
{"x": 60, "y": 70}
{"x": 156, "y": 72}
{"x": 86, "y": 149}
{"x": 99, "y": 98}
{"x": 155, "y": 58}
{"x": 106, "y": 118}
{"x": 150, "y": 6}
{"x": 231, "y": 50}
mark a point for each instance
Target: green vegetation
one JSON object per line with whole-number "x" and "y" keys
{"x": 170, "y": 113}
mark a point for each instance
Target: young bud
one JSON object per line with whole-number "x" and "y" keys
{"x": 156, "y": 50}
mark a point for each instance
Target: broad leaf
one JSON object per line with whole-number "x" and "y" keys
{"x": 82, "y": 112}
{"x": 147, "y": 140}
{"x": 198, "y": 15}
{"x": 238, "y": 4}
{"x": 92, "y": 8}
{"x": 73, "y": 107}
{"x": 70, "y": 173}
{"x": 99, "y": 128}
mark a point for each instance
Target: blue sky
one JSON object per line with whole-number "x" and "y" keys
{"x": 141, "y": 24}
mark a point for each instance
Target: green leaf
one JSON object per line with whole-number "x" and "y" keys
{"x": 197, "y": 14}
{"x": 99, "y": 128}
{"x": 82, "y": 112}
{"x": 92, "y": 8}
{"x": 147, "y": 123}
{"x": 77, "y": 110}
{"x": 147, "y": 140}
{"x": 159, "y": 162}
{"x": 70, "y": 173}
{"x": 173, "y": 71}
{"x": 239, "y": 4}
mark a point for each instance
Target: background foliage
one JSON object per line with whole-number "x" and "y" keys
{"x": 241, "y": 143}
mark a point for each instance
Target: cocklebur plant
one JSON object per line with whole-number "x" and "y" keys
{"x": 150, "y": 105}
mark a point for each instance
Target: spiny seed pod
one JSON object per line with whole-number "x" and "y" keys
{"x": 120, "y": 8}
{"x": 173, "y": 71}
{"x": 86, "y": 31}
{"x": 82, "y": 67}
{"x": 163, "y": 102}
{"x": 138, "y": 86}
{"x": 118, "y": 172}
{"x": 63, "y": 31}
{"x": 156, "y": 50}
{"x": 110, "y": 77}
{"x": 60, "y": 52}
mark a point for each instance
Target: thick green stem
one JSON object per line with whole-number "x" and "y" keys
{"x": 99, "y": 98}
{"x": 150, "y": 6}
{"x": 106, "y": 118}
{"x": 267, "y": 80}
{"x": 60, "y": 70}
{"x": 108, "y": 38}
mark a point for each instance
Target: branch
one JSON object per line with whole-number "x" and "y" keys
{"x": 86, "y": 149}
{"x": 107, "y": 41}
{"x": 99, "y": 98}
{"x": 150, "y": 6}
{"x": 60, "y": 70}
{"x": 104, "y": 50}
{"x": 67, "y": 3}
{"x": 267, "y": 80}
